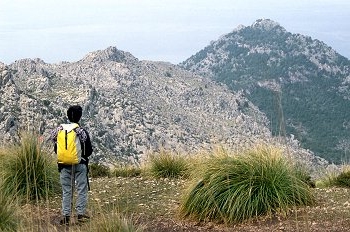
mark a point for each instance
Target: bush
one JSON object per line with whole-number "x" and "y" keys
{"x": 99, "y": 170}
{"x": 343, "y": 179}
{"x": 29, "y": 171}
{"x": 338, "y": 178}
{"x": 236, "y": 188}
{"x": 168, "y": 165}
{"x": 126, "y": 171}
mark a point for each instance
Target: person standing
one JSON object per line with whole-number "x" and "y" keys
{"x": 73, "y": 147}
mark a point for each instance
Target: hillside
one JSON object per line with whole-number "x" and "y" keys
{"x": 300, "y": 83}
{"x": 132, "y": 107}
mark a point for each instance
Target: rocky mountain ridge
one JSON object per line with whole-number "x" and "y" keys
{"x": 132, "y": 107}
{"x": 300, "y": 83}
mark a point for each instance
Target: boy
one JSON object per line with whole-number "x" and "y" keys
{"x": 74, "y": 174}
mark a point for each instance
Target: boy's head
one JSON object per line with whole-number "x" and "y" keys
{"x": 74, "y": 113}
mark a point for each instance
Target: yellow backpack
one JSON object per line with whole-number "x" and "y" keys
{"x": 68, "y": 145}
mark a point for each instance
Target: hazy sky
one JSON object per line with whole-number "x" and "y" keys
{"x": 166, "y": 30}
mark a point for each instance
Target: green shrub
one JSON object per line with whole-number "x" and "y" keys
{"x": 126, "y": 171}
{"x": 339, "y": 178}
{"x": 29, "y": 171}
{"x": 236, "y": 188}
{"x": 8, "y": 219}
{"x": 328, "y": 180}
{"x": 167, "y": 165}
{"x": 99, "y": 170}
{"x": 343, "y": 179}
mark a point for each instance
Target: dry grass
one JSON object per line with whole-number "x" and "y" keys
{"x": 154, "y": 204}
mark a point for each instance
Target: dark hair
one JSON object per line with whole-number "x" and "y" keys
{"x": 74, "y": 113}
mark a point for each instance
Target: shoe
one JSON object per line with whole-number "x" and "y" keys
{"x": 65, "y": 220}
{"x": 83, "y": 218}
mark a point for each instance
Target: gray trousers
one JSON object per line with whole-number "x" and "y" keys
{"x": 81, "y": 185}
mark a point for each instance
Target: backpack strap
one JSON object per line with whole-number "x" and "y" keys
{"x": 70, "y": 126}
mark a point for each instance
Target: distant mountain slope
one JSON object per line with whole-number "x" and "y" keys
{"x": 300, "y": 83}
{"x": 132, "y": 107}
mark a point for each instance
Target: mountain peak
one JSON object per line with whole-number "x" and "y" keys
{"x": 267, "y": 24}
{"x": 263, "y": 58}
{"x": 111, "y": 53}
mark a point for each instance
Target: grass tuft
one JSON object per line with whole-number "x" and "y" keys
{"x": 28, "y": 170}
{"x": 126, "y": 170}
{"x": 168, "y": 165}
{"x": 233, "y": 189}
{"x": 113, "y": 221}
{"x": 340, "y": 178}
{"x": 343, "y": 179}
{"x": 99, "y": 170}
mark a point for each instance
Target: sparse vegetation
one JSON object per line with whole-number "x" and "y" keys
{"x": 126, "y": 170}
{"x": 113, "y": 221}
{"x": 144, "y": 203}
{"x": 335, "y": 179}
{"x": 99, "y": 170}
